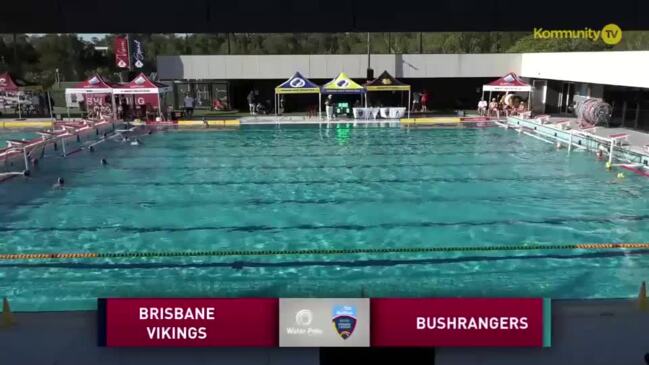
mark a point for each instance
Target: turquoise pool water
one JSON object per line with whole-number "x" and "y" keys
{"x": 16, "y": 134}
{"x": 304, "y": 187}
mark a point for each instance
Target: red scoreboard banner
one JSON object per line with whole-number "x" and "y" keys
{"x": 145, "y": 322}
{"x": 445, "y": 322}
{"x": 122, "y": 56}
{"x": 254, "y": 322}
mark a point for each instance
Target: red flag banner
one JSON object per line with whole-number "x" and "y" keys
{"x": 122, "y": 59}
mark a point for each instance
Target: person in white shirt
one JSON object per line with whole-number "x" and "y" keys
{"x": 188, "y": 104}
{"x": 482, "y": 107}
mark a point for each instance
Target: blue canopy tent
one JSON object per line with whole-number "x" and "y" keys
{"x": 297, "y": 84}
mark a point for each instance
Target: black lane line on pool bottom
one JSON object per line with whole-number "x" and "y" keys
{"x": 346, "y": 227}
{"x": 345, "y": 263}
{"x": 571, "y": 177}
{"x": 261, "y": 202}
{"x": 430, "y": 153}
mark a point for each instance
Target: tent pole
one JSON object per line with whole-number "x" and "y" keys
{"x": 49, "y": 104}
{"x": 408, "y": 106}
{"x": 159, "y": 106}
{"x": 112, "y": 102}
{"x": 19, "y": 107}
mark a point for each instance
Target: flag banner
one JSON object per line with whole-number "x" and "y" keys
{"x": 122, "y": 59}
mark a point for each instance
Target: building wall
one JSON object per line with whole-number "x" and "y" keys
{"x": 259, "y": 67}
{"x": 609, "y": 68}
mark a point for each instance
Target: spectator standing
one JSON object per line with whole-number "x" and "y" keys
{"x": 415, "y": 101}
{"x": 424, "y": 101}
{"x": 251, "y": 102}
{"x": 188, "y": 104}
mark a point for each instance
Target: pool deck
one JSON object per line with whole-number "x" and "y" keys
{"x": 583, "y": 332}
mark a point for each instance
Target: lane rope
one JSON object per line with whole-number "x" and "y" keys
{"x": 304, "y": 252}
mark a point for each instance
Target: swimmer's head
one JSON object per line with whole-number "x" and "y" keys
{"x": 620, "y": 175}
{"x": 103, "y": 161}
{"x": 60, "y": 181}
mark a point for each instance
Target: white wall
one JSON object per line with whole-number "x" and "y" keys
{"x": 328, "y": 66}
{"x": 608, "y": 68}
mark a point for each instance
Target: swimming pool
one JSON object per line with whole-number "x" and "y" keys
{"x": 263, "y": 188}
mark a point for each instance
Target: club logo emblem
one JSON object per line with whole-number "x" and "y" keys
{"x": 94, "y": 80}
{"x": 509, "y": 78}
{"x": 297, "y": 82}
{"x": 344, "y": 320}
{"x": 121, "y": 64}
{"x": 139, "y": 80}
{"x": 342, "y": 83}
{"x": 304, "y": 317}
{"x": 3, "y": 81}
{"x": 386, "y": 81}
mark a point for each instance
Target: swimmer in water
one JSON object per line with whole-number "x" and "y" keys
{"x": 600, "y": 154}
{"x": 91, "y": 149}
{"x": 59, "y": 183}
{"x": 103, "y": 162}
{"x": 136, "y": 142}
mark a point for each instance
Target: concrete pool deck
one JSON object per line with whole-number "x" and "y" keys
{"x": 583, "y": 331}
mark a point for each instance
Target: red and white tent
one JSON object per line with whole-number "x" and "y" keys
{"x": 7, "y": 83}
{"x": 94, "y": 91}
{"x": 94, "y": 85}
{"x": 141, "y": 84}
{"x": 508, "y": 83}
{"x": 144, "y": 91}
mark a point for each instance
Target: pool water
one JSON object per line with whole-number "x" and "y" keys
{"x": 303, "y": 188}
{"x": 16, "y": 134}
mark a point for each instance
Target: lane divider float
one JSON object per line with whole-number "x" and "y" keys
{"x": 341, "y": 251}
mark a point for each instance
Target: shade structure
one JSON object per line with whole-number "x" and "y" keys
{"x": 297, "y": 84}
{"x": 98, "y": 86}
{"x": 508, "y": 83}
{"x": 141, "y": 84}
{"x": 342, "y": 84}
{"x": 93, "y": 85}
{"x": 144, "y": 91}
{"x": 9, "y": 83}
{"x": 385, "y": 82}
{"x": 15, "y": 86}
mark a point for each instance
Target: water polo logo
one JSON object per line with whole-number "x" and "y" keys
{"x": 297, "y": 82}
{"x": 342, "y": 83}
{"x": 304, "y": 317}
{"x": 344, "y": 320}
